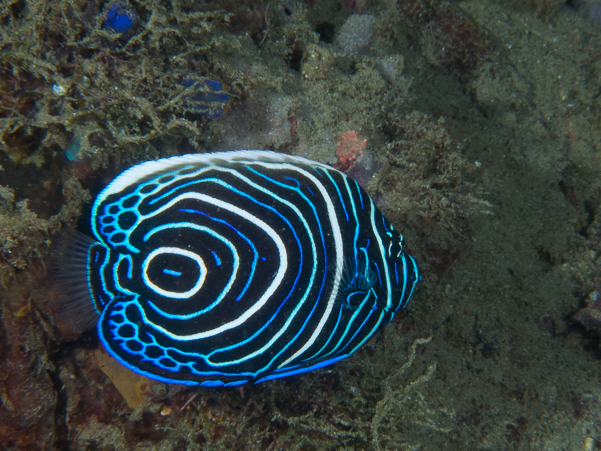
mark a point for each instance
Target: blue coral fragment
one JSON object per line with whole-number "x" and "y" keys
{"x": 120, "y": 18}
{"x": 207, "y": 97}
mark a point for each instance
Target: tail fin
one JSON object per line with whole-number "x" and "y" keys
{"x": 68, "y": 274}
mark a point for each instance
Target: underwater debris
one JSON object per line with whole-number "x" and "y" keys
{"x": 73, "y": 150}
{"x": 365, "y": 169}
{"x": 58, "y": 90}
{"x": 593, "y": 10}
{"x": 350, "y": 147}
{"x": 207, "y": 97}
{"x": 391, "y": 67}
{"x": 120, "y": 17}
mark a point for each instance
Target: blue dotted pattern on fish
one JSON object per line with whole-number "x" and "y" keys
{"x": 233, "y": 267}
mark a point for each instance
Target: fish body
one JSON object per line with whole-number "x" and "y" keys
{"x": 245, "y": 266}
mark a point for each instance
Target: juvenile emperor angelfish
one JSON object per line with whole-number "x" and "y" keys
{"x": 233, "y": 267}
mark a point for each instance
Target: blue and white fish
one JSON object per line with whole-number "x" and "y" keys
{"x": 225, "y": 268}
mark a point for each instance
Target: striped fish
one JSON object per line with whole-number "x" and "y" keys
{"x": 233, "y": 267}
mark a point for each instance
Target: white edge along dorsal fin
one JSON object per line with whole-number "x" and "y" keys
{"x": 134, "y": 174}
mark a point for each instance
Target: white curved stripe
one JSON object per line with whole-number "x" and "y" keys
{"x": 300, "y": 303}
{"x": 337, "y": 243}
{"x": 164, "y": 166}
{"x": 283, "y": 255}
{"x": 176, "y": 251}
{"x": 116, "y": 279}
{"x": 133, "y": 175}
{"x": 382, "y": 252}
{"x": 228, "y": 243}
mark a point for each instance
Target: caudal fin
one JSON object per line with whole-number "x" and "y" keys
{"x": 68, "y": 274}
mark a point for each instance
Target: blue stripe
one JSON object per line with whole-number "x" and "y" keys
{"x": 342, "y": 202}
{"x": 218, "y": 263}
{"x": 349, "y": 326}
{"x": 171, "y": 272}
{"x": 241, "y": 235}
{"x": 360, "y": 195}
{"x": 378, "y": 271}
{"x": 368, "y": 336}
{"x": 209, "y": 231}
{"x": 302, "y": 370}
{"x": 318, "y": 353}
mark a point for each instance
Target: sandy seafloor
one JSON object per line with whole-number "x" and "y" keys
{"x": 500, "y": 347}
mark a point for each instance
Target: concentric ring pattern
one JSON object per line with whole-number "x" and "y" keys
{"x": 226, "y": 268}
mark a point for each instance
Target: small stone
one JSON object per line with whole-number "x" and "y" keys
{"x": 355, "y": 35}
{"x": 166, "y": 411}
{"x": 85, "y": 82}
{"x": 57, "y": 90}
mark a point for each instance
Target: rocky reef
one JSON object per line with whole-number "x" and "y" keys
{"x": 439, "y": 109}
